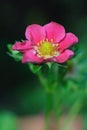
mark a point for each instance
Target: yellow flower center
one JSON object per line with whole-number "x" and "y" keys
{"x": 46, "y": 49}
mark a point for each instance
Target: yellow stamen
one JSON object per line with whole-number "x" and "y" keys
{"x": 47, "y": 49}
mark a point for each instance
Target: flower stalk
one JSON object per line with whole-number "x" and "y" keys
{"x": 50, "y": 88}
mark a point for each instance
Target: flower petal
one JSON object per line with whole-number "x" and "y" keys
{"x": 30, "y": 56}
{"x": 54, "y": 31}
{"x": 35, "y": 33}
{"x": 63, "y": 57}
{"x": 68, "y": 41}
{"x": 21, "y": 46}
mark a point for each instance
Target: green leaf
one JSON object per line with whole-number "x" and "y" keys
{"x": 16, "y": 55}
{"x": 34, "y": 68}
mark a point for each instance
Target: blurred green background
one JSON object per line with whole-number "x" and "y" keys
{"x": 20, "y": 90}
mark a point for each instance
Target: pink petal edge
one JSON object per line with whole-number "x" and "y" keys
{"x": 63, "y": 57}
{"x": 35, "y": 33}
{"x": 30, "y": 56}
{"x": 22, "y": 46}
{"x": 68, "y": 41}
{"x": 54, "y": 31}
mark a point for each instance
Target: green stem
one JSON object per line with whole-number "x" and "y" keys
{"x": 48, "y": 110}
{"x": 50, "y": 83}
{"x": 48, "y": 99}
{"x": 43, "y": 81}
{"x": 55, "y": 108}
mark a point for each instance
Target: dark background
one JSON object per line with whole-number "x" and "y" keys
{"x": 17, "y": 83}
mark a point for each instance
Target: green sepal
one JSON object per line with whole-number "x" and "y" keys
{"x": 16, "y": 55}
{"x": 49, "y": 64}
{"x": 34, "y": 68}
{"x": 76, "y": 49}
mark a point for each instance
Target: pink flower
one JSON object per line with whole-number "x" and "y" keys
{"x": 48, "y": 43}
